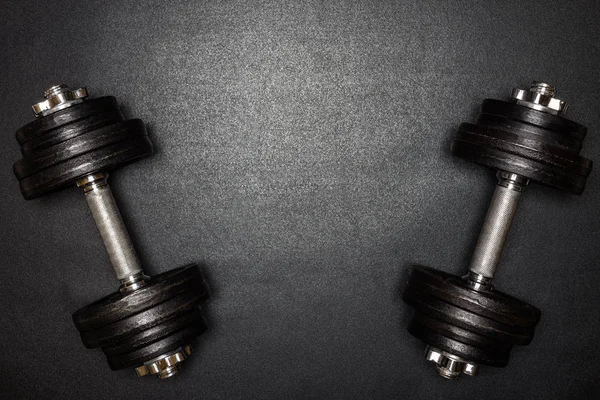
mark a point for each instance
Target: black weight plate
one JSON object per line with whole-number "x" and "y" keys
{"x": 532, "y": 132}
{"x": 517, "y": 112}
{"x": 148, "y": 318}
{"x": 70, "y": 131}
{"x": 517, "y": 145}
{"x": 540, "y": 146}
{"x": 161, "y": 288}
{"x": 145, "y": 337}
{"x": 463, "y": 350}
{"x": 79, "y": 145}
{"x": 66, "y": 116}
{"x": 434, "y": 308}
{"x": 137, "y": 357}
{"x": 461, "y": 335}
{"x": 104, "y": 159}
{"x": 548, "y": 175}
{"x": 492, "y": 304}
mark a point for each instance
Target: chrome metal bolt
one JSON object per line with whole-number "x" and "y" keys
{"x": 433, "y": 355}
{"x": 166, "y": 365}
{"x": 540, "y": 96}
{"x": 59, "y": 97}
{"x": 542, "y": 88}
{"x": 470, "y": 369}
{"x": 448, "y": 365}
{"x": 54, "y": 90}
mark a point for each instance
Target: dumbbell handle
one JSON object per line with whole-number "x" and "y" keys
{"x": 498, "y": 221}
{"x": 111, "y": 227}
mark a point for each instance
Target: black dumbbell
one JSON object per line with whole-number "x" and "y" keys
{"x": 465, "y": 322}
{"x": 149, "y": 323}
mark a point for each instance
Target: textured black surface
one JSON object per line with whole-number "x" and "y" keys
{"x": 303, "y": 157}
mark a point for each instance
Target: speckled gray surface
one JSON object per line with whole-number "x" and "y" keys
{"x": 303, "y": 158}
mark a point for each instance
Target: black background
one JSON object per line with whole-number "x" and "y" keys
{"x": 302, "y": 156}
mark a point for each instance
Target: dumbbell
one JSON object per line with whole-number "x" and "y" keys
{"x": 464, "y": 321}
{"x": 149, "y": 323}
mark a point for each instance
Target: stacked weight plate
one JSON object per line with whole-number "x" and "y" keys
{"x": 480, "y": 327}
{"x": 132, "y": 328}
{"x": 77, "y": 141}
{"x": 534, "y": 144}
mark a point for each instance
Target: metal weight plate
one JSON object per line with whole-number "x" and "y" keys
{"x": 496, "y": 159}
{"x": 151, "y": 335}
{"x": 460, "y": 334}
{"x": 42, "y": 126}
{"x": 80, "y": 140}
{"x": 480, "y": 327}
{"x": 139, "y": 356}
{"x": 492, "y": 304}
{"x": 520, "y": 145}
{"x": 514, "y": 112}
{"x": 540, "y": 146}
{"x": 434, "y": 308}
{"x": 498, "y": 358}
{"x": 161, "y": 288}
{"x": 562, "y": 140}
{"x": 142, "y": 320}
{"x": 81, "y": 144}
{"x": 105, "y": 159}
{"x": 70, "y": 131}
{"x": 498, "y": 149}
{"x": 157, "y": 318}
